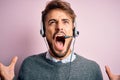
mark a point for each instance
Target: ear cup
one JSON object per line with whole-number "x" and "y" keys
{"x": 75, "y": 32}
{"x": 42, "y": 31}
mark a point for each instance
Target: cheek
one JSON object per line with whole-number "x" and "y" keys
{"x": 49, "y": 33}
{"x": 69, "y": 31}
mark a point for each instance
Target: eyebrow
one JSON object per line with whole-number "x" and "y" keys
{"x": 65, "y": 20}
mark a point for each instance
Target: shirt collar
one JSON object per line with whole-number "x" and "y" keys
{"x": 70, "y": 58}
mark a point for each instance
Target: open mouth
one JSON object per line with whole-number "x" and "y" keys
{"x": 59, "y": 42}
{"x": 60, "y": 39}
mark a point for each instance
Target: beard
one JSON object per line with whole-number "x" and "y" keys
{"x": 58, "y": 54}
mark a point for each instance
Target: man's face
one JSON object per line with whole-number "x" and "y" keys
{"x": 58, "y": 24}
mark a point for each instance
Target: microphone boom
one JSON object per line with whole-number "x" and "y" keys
{"x": 67, "y": 37}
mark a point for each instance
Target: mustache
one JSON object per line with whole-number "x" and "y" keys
{"x": 57, "y": 33}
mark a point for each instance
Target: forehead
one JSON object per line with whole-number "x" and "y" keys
{"x": 58, "y": 14}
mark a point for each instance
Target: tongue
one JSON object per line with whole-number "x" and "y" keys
{"x": 59, "y": 45}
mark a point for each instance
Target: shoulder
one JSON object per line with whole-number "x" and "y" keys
{"x": 87, "y": 63}
{"x": 33, "y": 59}
{"x": 37, "y": 56}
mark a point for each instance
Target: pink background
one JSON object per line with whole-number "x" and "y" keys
{"x": 97, "y": 20}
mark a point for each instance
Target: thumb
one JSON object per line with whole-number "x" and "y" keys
{"x": 13, "y": 62}
{"x": 108, "y": 71}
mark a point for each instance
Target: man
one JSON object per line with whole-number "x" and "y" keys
{"x": 59, "y": 62}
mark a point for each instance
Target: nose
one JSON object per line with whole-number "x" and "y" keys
{"x": 59, "y": 26}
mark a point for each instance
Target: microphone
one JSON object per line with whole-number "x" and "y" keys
{"x": 68, "y": 37}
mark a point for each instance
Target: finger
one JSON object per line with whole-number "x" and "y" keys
{"x": 13, "y": 61}
{"x": 108, "y": 71}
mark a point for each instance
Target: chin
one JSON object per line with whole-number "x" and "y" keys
{"x": 60, "y": 54}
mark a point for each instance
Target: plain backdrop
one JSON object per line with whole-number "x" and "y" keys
{"x": 98, "y": 22}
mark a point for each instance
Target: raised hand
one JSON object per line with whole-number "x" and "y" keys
{"x": 7, "y": 72}
{"x": 111, "y": 75}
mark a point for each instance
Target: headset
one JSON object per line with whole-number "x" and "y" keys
{"x": 75, "y": 32}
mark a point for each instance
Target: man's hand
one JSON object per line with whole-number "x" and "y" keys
{"x": 7, "y": 72}
{"x": 111, "y": 75}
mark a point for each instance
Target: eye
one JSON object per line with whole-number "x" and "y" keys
{"x": 66, "y": 21}
{"x": 51, "y": 22}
